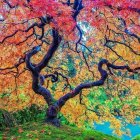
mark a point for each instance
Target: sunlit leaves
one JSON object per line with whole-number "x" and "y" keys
{"x": 104, "y": 35}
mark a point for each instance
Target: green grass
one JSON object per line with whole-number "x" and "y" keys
{"x": 136, "y": 137}
{"x": 39, "y": 131}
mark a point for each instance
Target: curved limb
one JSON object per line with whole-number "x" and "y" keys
{"x": 37, "y": 87}
{"x": 99, "y": 82}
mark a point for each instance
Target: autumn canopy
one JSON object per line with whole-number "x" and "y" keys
{"x": 80, "y": 57}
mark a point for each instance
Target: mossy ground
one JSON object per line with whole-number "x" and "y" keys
{"x": 40, "y": 131}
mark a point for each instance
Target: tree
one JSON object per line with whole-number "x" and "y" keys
{"x": 84, "y": 44}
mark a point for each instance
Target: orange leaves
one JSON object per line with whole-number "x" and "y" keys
{"x": 98, "y": 13}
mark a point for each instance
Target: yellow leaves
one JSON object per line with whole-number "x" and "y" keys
{"x": 116, "y": 124}
{"x": 94, "y": 39}
{"x": 134, "y": 85}
{"x": 126, "y": 53}
{"x": 64, "y": 67}
{"x": 92, "y": 116}
{"x": 118, "y": 132}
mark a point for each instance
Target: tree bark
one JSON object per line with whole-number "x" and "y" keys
{"x": 38, "y": 79}
{"x": 52, "y": 115}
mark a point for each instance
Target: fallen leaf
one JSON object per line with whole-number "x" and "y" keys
{"x": 49, "y": 133}
{"x": 14, "y": 138}
{"x": 20, "y": 130}
{"x": 4, "y": 138}
{"x": 42, "y": 131}
{"x": 7, "y": 128}
{"x": 29, "y": 135}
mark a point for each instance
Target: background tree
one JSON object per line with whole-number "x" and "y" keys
{"x": 61, "y": 49}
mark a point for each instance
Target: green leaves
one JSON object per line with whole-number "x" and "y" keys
{"x": 22, "y": 96}
{"x": 4, "y": 95}
{"x": 98, "y": 96}
{"x": 71, "y": 66}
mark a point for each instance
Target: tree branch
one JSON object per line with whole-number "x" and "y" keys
{"x": 55, "y": 44}
{"x": 99, "y": 82}
{"x": 36, "y": 85}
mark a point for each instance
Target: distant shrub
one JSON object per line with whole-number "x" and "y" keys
{"x": 32, "y": 113}
{"x": 28, "y": 114}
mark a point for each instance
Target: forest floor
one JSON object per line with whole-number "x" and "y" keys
{"x": 40, "y": 131}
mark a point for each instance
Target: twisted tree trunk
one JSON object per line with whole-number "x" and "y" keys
{"x": 54, "y": 107}
{"x": 52, "y": 115}
{"x": 38, "y": 79}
